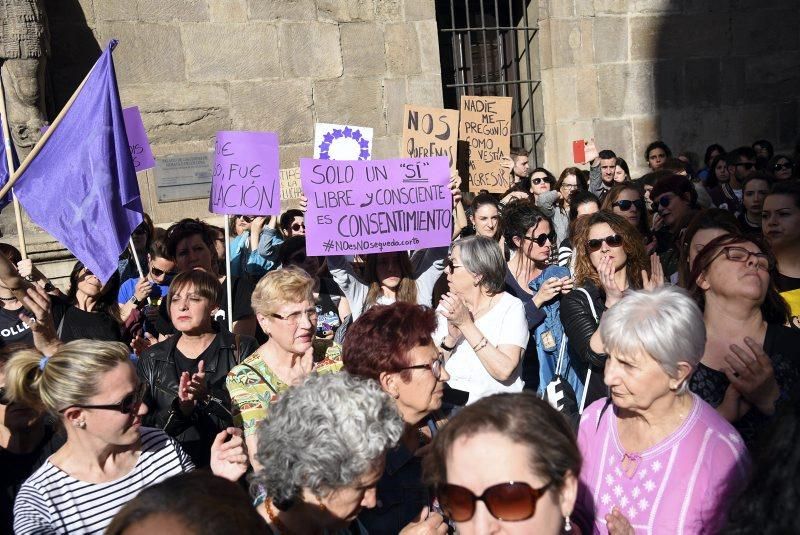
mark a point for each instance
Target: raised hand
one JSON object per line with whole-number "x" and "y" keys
{"x": 750, "y": 372}
{"x": 454, "y": 309}
{"x": 229, "y": 456}
{"x": 606, "y": 272}
{"x": 548, "y": 291}
{"x": 590, "y": 151}
{"x": 656, "y": 277}
{"x": 40, "y": 320}
{"x": 192, "y": 389}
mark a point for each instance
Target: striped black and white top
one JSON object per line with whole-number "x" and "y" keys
{"x": 53, "y": 502}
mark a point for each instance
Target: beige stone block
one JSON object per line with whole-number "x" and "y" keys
{"x": 610, "y": 39}
{"x": 420, "y": 9}
{"x": 362, "y": 49}
{"x": 386, "y": 147}
{"x": 154, "y": 97}
{"x": 228, "y": 51}
{"x": 227, "y": 10}
{"x": 616, "y": 135}
{"x": 626, "y": 89}
{"x": 109, "y": 11}
{"x": 316, "y": 57}
{"x": 282, "y": 106}
{"x": 612, "y": 6}
{"x": 389, "y": 10}
{"x": 282, "y": 9}
{"x": 584, "y": 8}
{"x": 547, "y": 89}
{"x": 346, "y": 10}
{"x": 178, "y": 125}
{"x": 428, "y": 36}
{"x": 545, "y": 45}
{"x": 172, "y": 10}
{"x": 656, "y": 6}
{"x": 588, "y": 94}
{"x": 291, "y": 154}
{"x": 571, "y": 42}
{"x": 146, "y": 53}
{"x": 425, "y": 90}
{"x": 565, "y": 94}
{"x": 402, "y": 49}
{"x": 394, "y": 99}
{"x": 561, "y": 9}
{"x": 644, "y": 35}
{"x": 645, "y": 131}
{"x": 356, "y": 101}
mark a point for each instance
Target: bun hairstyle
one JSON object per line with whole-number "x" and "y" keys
{"x": 70, "y": 376}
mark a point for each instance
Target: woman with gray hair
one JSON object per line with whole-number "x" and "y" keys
{"x": 324, "y": 444}
{"x": 662, "y": 459}
{"x": 486, "y": 328}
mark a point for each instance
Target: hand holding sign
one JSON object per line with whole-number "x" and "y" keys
{"x": 245, "y": 178}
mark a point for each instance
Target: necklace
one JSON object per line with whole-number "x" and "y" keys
{"x": 274, "y": 520}
{"x": 12, "y": 298}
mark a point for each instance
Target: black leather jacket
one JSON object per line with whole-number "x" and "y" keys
{"x": 579, "y": 325}
{"x": 195, "y": 432}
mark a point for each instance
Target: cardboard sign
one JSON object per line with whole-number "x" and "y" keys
{"x": 137, "y": 139}
{"x": 378, "y": 206}
{"x": 429, "y": 132}
{"x": 486, "y": 127}
{"x": 245, "y": 174}
{"x": 291, "y": 189}
{"x": 342, "y": 142}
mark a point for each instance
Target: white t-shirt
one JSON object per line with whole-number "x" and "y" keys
{"x": 503, "y": 324}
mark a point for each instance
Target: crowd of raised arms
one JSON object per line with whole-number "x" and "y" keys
{"x": 594, "y": 353}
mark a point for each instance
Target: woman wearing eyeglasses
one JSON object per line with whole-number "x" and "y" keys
{"x": 285, "y": 307}
{"x": 91, "y": 387}
{"x": 609, "y": 259}
{"x": 506, "y": 464}
{"x": 675, "y": 203}
{"x": 186, "y": 373}
{"x": 627, "y": 201}
{"x": 393, "y": 345}
{"x": 138, "y": 293}
{"x": 751, "y": 358}
{"x": 555, "y": 203}
{"x": 541, "y": 181}
{"x": 782, "y": 167}
{"x": 656, "y": 457}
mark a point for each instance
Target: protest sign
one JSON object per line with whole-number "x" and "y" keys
{"x": 378, "y": 206}
{"x": 291, "y": 190}
{"x": 486, "y": 126}
{"x": 342, "y": 142}
{"x": 137, "y": 140}
{"x": 244, "y": 179}
{"x": 429, "y": 132}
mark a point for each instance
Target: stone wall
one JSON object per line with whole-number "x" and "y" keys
{"x": 690, "y": 72}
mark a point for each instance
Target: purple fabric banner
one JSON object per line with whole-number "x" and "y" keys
{"x": 246, "y": 179}
{"x": 360, "y": 207}
{"x": 81, "y": 187}
{"x": 137, "y": 140}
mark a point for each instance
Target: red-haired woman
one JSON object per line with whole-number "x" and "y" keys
{"x": 394, "y": 345}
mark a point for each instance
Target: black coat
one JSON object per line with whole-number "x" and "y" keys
{"x": 195, "y": 432}
{"x": 579, "y": 325}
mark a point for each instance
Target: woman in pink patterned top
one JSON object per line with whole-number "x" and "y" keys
{"x": 657, "y": 458}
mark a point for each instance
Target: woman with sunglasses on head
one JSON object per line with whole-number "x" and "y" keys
{"x": 254, "y": 245}
{"x": 91, "y": 387}
{"x": 751, "y": 358}
{"x": 393, "y": 345}
{"x": 656, "y": 457}
{"x": 782, "y": 168}
{"x": 555, "y": 204}
{"x": 627, "y": 201}
{"x": 506, "y": 464}
{"x": 781, "y": 225}
{"x": 609, "y": 259}
{"x": 185, "y": 374}
{"x": 285, "y": 308}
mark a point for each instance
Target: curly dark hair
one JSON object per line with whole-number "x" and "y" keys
{"x": 518, "y": 218}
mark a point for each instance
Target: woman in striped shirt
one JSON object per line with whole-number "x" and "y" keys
{"x": 92, "y": 387}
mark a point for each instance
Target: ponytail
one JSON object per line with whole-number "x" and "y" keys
{"x": 24, "y": 378}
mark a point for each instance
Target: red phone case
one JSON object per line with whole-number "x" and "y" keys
{"x": 579, "y": 151}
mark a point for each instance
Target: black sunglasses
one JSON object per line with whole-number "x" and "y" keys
{"x": 626, "y": 205}
{"x": 663, "y": 202}
{"x": 615, "y": 240}
{"x": 541, "y": 239}
{"x": 511, "y": 502}
{"x": 782, "y": 166}
{"x": 128, "y": 405}
{"x": 158, "y": 272}
{"x": 298, "y": 226}
{"x": 537, "y": 181}
{"x": 247, "y": 218}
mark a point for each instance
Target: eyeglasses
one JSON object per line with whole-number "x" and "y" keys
{"x": 537, "y": 181}
{"x": 740, "y": 254}
{"x": 541, "y": 239}
{"x": 3, "y": 399}
{"x": 158, "y": 272}
{"x": 128, "y": 405}
{"x": 569, "y": 186}
{"x": 512, "y": 502}
{"x": 435, "y": 367}
{"x": 625, "y": 205}
{"x": 615, "y": 240}
{"x": 451, "y": 266}
{"x": 781, "y": 166}
{"x": 247, "y": 218}
{"x": 747, "y": 165}
{"x": 663, "y": 202}
{"x": 293, "y": 318}
{"x": 298, "y": 226}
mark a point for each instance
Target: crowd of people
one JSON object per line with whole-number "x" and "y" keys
{"x": 594, "y": 353}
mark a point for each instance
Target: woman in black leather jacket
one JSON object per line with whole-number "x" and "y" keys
{"x": 185, "y": 374}
{"x": 609, "y": 258}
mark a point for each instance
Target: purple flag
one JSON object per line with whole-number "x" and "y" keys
{"x": 81, "y": 187}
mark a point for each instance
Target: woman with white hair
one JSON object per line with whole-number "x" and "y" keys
{"x": 656, "y": 457}
{"x": 486, "y": 328}
{"x": 324, "y": 444}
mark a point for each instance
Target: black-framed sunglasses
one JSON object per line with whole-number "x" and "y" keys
{"x": 625, "y": 205}
{"x": 781, "y": 166}
{"x": 541, "y": 239}
{"x": 247, "y": 218}
{"x": 739, "y": 254}
{"x": 615, "y": 240}
{"x": 298, "y": 226}
{"x": 536, "y": 181}
{"x": 662, "y": 202}
{"x": 511, "y": 502}
{"x": 159, "y": 272}
{"x": 129, "y": 404}
{"x": 451, "y": 266}
{"x": 435, "y": 367}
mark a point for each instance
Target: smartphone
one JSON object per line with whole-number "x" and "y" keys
{"x": 579, "y": 151}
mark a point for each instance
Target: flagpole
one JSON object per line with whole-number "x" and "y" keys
{"x": 229, "y": 312}
{"x": 136, "y": 257}
{"x": 10, "y": 161}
